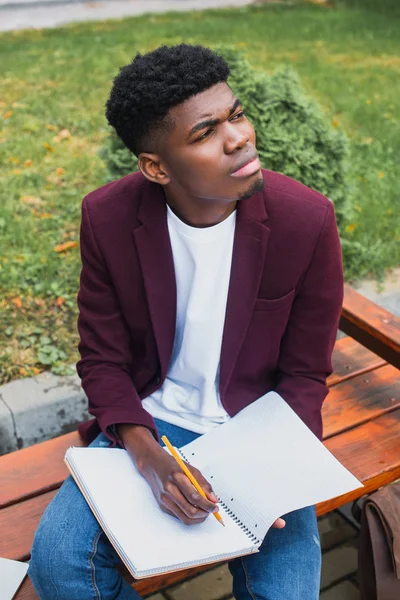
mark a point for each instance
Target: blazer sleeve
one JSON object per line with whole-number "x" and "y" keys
{"x": 307, "y": 345}
{"x": 104, "y": 344}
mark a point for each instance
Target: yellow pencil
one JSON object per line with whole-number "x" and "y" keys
{"x": 188, "y": 473}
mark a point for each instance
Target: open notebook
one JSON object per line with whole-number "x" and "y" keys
{"x": 262, "y": 464}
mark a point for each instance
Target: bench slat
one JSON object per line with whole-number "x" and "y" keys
{"x": 40, "y": 468}
{"x": 144, "y": 586}
{"x": 30, "y": 471}
{"x": 361, "y": 399}
{"x": 27, "y": 591}
{"x": 371, "y": 325}
{"x": 350, "y": 359}
{"x": 371, "y": 452}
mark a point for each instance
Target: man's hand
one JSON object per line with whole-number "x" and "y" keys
{"x": 172, "y": 489}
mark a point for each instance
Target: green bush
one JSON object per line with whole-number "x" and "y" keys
{"x": 293, "y": 135}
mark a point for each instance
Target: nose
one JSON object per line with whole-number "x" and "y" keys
{"x": 235, "y": 138}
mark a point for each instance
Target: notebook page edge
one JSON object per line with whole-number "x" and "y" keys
{"x": 181, "y": 567}
{"x": 99, "y": 519}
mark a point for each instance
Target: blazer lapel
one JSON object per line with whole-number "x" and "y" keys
{"x": 249, "y": 248}
{"x": 155, "y": 255}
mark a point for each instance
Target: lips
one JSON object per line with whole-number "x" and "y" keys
{"x": 247, "y": 168}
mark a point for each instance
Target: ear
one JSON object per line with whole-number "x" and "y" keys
{"x": 151, "y": 167}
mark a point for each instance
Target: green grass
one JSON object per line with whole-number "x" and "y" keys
{"x": 347, "y": 57}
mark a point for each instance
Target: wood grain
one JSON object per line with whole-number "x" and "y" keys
{"x": 26, "y": 591}
{"x": 361, "y": 399}
{"x": 371, "y": 325}
{"x": 36, "y": 469}
{"x": 350, "y": 359}
{"x": 18, "y": 523}
{"x": 371, "y": 452}
{"x": 22, "y": 473}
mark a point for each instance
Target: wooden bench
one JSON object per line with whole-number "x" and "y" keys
{"x": 361, "y": 428}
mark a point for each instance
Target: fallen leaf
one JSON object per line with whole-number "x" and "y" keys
{"x": 60, "y": 171}
{"x": 39, "y": 302}
{"x": 51, "y": 127}
{"x": 335, "y": 123}
{"x": 60, "y": 301}
{"x": 7, "y": 114}
{"x": 17, "y": 301}
{"x": 46, "y": 215}
{"x": 381, "y": 175}
{"x": 350, "y": 228}
{"x": 65, "y": 246}
{"x": 31, "y": 200}
{"x": 48, "y": 147}
{"x": 64, "y": 134}
{"x": 36, "y": 371}
{"x": 16, "y": 171}
{"x": 28, "y": 163}
{"x": 23, "y": 372}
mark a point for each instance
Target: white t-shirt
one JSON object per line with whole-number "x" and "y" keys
{"x": 202, "y": 257}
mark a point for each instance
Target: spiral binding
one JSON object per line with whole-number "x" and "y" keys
{"x": 231, "y": 514}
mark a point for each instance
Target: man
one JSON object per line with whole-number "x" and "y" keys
{"x": 206, "y": 282}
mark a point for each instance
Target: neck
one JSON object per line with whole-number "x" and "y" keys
{"x": 198, "y": 212}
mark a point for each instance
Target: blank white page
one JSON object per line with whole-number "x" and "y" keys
{"x": 12, "y": 573}
{"x": 147, "y": 538}
{"x": 265, "y": 462}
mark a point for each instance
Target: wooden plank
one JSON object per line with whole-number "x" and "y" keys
{"x": 40, "y": 468}
{"x": 143, "y": 587}
{"x": 34, "y": 470}
{"x": 371, "y": 325}
{"x": 361, "y": 399}
{"x": 27, "y": 591}
{"x": 350, "y": 359}
{"x": 371, "y": 452}
{"x": 18, "y": 523}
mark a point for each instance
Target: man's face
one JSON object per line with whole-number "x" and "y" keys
{"x": 210, "y": 153}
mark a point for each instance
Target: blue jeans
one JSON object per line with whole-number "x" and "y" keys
{"x": 72, "y": 558}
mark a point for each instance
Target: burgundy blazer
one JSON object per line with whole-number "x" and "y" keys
{"x": 284, "y": 300}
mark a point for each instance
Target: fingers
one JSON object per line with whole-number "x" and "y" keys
{"x": 169, "y": 506}
{"x": 173, "y": 494}
{"x": 279, "y": 524}
{"x": 191, "y": 494}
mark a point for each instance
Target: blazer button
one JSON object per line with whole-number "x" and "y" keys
{"x": 157, "y": 380}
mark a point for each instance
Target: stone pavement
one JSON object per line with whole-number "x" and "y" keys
{"x": 339, "y": 565}
{"x": 23, "y": 14}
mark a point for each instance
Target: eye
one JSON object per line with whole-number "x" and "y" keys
{"x": 205, "y": 135}
{"x": 238, "y": 115}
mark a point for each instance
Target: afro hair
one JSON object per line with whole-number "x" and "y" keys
{"x": 144, "y": 91}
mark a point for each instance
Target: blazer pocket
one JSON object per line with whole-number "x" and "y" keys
{"x": 275, "y": 303}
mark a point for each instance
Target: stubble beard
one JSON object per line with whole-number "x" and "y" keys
{"x": 255, "y": 187}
